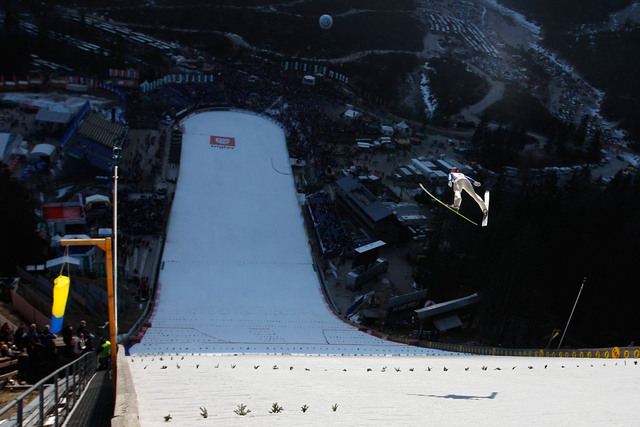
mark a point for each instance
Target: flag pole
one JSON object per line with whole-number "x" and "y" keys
{"x": 572, "y": 310}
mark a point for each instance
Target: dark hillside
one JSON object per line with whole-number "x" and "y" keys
{"x": 594, "y": 53}
{"x": 559, "y": 16}
{"x": 596, "y": 56}
{"x": 291, "y": 34}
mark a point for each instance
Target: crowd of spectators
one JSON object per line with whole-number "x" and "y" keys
{"x": 331, "y": 234}
{"x": 320, "y": 139}
{"x": 141, "y": 114}
{"x": 144, "y": 215}
{"x": 7, "y": 341}
{"x": 140, "y": 169}
{"x": 36, "y": 351}
{"x": 128, "y": 246}
{"x": 177, "y": 96}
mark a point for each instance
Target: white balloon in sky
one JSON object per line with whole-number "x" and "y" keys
{"x": 325, "y": 21}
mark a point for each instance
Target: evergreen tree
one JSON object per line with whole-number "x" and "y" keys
{"x": 580, "y": 135}
{"x": 595, "y": 145}
{"x": 20, "y": 243}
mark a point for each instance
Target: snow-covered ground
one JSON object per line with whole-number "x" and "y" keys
{"x": 431, "y": 103}
{"x": 58, "y": 102}
{"x": 386, "y": 391}
{"x": 519, "y": 19}
{"x": 240, "y": 320}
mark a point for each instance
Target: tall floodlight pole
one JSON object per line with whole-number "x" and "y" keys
{"x": 116, "y": 155}
{"x": 572, "y": 310}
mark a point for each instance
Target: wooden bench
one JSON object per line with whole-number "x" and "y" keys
{"x": 6, "y": 364}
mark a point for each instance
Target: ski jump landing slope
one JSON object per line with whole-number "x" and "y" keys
{"x": 237, "y": 273}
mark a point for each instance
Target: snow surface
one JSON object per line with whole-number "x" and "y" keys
{"x": 431, "y": 103}
{"x": 511, "y": 391}
{"x": 240, "y": 320}
{"x": 54, "y": 101}
{"x": 520, "y": 19}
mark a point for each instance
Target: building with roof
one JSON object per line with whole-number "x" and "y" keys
{"x": 55, "y": 117}
{"x": 42, "y": 153}
{"x": 92, "y": 138}
{"x": 60, "y": 216}
{"x": 9, "y": 143}
{"x": 444, "y": 315}
{"x": 366, "y": 209}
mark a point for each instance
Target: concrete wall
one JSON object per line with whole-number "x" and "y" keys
{"x": 125, "y": 413}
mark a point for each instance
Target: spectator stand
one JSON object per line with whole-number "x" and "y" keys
{"x": 94, "y": 139}
{"x": 329, "y": 230}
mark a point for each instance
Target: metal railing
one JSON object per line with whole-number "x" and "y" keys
{"x": 57, "y": 395}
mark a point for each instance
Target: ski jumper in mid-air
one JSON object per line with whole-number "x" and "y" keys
{"x": 459, "y": 181}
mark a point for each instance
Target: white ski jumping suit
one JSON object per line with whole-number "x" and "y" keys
{"x": 459, "y": 181}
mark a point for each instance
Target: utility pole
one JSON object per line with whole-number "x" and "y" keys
{"x": 584, "y": 280}
{"x": 116, "y": 155}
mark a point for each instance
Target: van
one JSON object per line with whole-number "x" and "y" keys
{"x": 403, "y": 142}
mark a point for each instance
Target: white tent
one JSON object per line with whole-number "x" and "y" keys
{"x": 402, "y": 127}
{"x": 96, "y": 198}
{"x": 61, "y": 117}
{"x": 76, "y": 236}
{"x": 309, "y": 80}
{"x": 41, "y": 150}
{"x": 22, "y": 149}
{"x": 386, "y": 130}
{"x": 351, "y": 114}
{"x": 105, "y": 232}
{"x": 73, "y": 262}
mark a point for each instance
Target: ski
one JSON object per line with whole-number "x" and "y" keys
{"x": 485, "y": 219}
{"x": 446, "y": 205}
